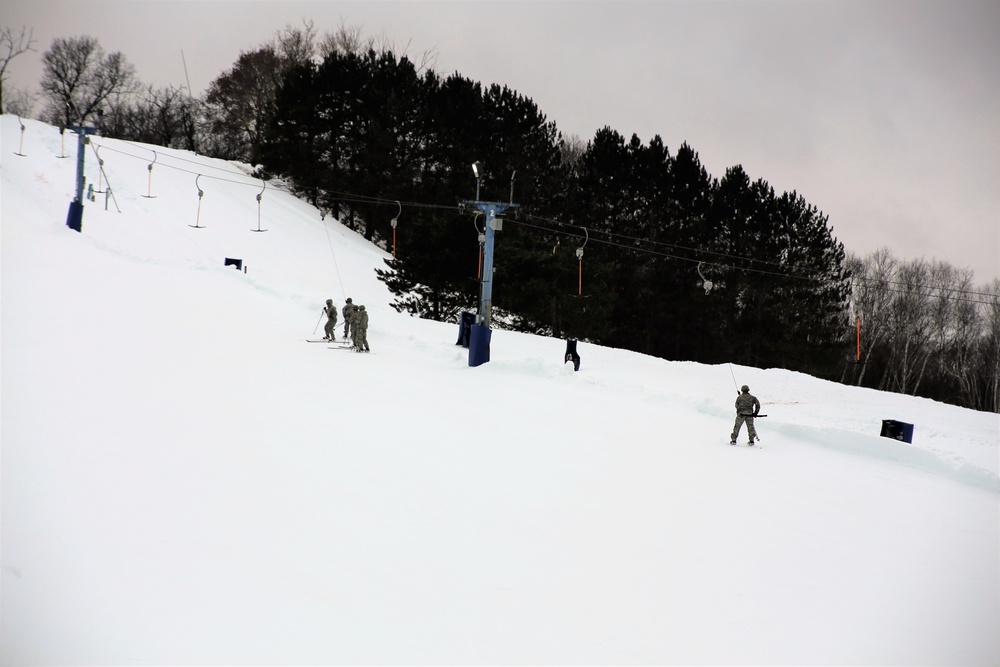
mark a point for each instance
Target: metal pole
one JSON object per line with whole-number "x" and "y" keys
{"x": 74, "y": 219}
{"x": 486, "y": 303}
{"x": 81, "y": 151}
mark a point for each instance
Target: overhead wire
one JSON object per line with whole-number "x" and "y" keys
{"x": 909, "y": 289}
{"x": 638, "y": 244}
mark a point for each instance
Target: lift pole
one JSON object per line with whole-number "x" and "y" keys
{"x": 479, "y": 339}
{"x": 74, "y": 219}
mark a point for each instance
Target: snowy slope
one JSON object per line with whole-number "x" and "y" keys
{"x": 184, "y": 480}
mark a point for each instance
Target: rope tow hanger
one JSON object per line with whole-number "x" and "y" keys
{"x": 201, "y": 193}
{"x": 20, "y": 151}
{"x": 62, "y": 142}
{"x": 149, "y": 187}
{"x": 393, "y": 222}
{"x": 579, "y": 255}
{"x": 259, "y": 194}
{"x": 100, "y": 170}
{"x": 482, "y": 242}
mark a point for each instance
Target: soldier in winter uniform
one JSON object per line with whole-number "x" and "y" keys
{"x": 747, "y": 407}
{"x": 331, "y": 321}
{"x": 360, "y": 326}
{"x": 348, "y": 311}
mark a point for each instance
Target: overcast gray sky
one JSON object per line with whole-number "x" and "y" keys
{"x": 883, "y": 114}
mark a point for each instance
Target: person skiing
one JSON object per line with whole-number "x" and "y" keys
{"x": 331, "y": 320}
{"x": 348, "y": 312}
{"x": 360, "y": 326}
{"x": 747, "y": 407}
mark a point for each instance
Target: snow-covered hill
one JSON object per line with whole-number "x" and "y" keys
{"x": 185, "y": 480}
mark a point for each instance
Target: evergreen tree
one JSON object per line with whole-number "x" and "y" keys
{"x": 295, "y": 141}
{"x": 688, "y": 315}
{"x": 603, "y": 199}
{"x": 436, "y": 273}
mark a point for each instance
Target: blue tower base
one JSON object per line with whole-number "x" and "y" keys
{"x": 479, "y": 344}
{"x": 74, "y": 219}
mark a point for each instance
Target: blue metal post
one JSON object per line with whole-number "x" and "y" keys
{"x": 74, "y": 219}
{"x": 486, "y": 288}
{"x": 479, "y": 352}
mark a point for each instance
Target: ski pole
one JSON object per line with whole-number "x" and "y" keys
{"x": 316, "y": 328}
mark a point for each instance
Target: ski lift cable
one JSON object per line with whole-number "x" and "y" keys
{"x": 106, "y": 147}
{"x": 952, "y": 290}
{"x": 336, "y": 266}
{"x": 672, "y": 245}
{"x": 353, "y": 197}
{"x": 731, "y": 266}
{"x": 778, "y": 264}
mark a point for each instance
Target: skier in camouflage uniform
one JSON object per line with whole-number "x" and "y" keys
{"x": 331, "y": 321}
{"x": 747, "y": 407}
{"x": 348, "y": 312}
{"x": 360, "y": 326}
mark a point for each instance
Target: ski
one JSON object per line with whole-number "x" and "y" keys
{"x": 309, "y": 340}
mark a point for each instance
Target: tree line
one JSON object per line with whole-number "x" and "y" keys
{"x": 926, "y": 330}
{"x": 615, "y": 240}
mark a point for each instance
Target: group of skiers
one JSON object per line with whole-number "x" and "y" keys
{"x": 355, "y": 324}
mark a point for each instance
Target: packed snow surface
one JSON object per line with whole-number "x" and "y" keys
{"x": 185, "y": 480}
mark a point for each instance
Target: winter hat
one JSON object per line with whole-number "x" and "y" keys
{"x": 745, "y": 389}
{"x": 329, "y": 302}
{"x": 349, "y": 300}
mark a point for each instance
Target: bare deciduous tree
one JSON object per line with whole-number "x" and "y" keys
{"x": 240, "y": 103}
{"x": 296, "y": 46}
{"x": 927, "y": 330}
{"x": 79, "y": 79}
{"x": 11, "y": 46}
{"x": 345, "y": 40}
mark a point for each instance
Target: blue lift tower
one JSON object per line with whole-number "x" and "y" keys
{"x": 479, "y": 335}
{"x": 74, "y": 219}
